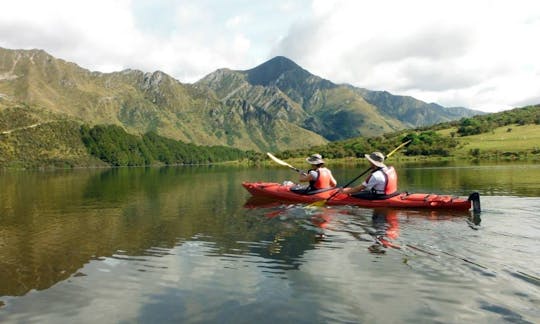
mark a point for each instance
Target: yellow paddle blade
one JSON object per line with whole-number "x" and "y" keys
{"x": 278, "y": 161}
{"x": 319, "y": 203}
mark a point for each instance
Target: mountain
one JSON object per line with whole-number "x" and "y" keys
{"x": 274, "y": 106}
{"x": 334, "y": 111}
{"x": 412, "y": 112}
{"x": 142, "y": 102}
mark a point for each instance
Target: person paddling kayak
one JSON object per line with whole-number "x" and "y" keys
{"x": 380, "y": 184}
{"x": 319, "y": 177}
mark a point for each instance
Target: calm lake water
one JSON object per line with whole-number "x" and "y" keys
{"x": 188, "y": 245}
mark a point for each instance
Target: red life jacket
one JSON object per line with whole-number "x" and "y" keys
{"x": 324, "y": 180}
{"x": 391, "y": 180}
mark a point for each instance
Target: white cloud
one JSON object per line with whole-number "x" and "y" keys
{"x": 480, "y": 54}
{"x": 235, "y": 21}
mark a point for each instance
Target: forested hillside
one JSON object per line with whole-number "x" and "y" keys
{"x": 31, "y": 137}
{"x": 450, "y": 139}
{"x": 116, "y": 147}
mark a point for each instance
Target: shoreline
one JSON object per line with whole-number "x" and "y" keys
{"x": 331, "y": 162}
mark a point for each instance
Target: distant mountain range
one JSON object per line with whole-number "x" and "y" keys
{"x": 275, "y": 106}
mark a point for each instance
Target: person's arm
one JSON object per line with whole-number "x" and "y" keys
{"x": 304, "y": 177}
{"x": 375, "y": 178}
{"x": 307, "y": 177}
{"x": 333, "y": 181}
{"x": 353, "y": 189}
{"x": 366, "y": 185}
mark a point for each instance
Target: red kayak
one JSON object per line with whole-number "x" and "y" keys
{"x": 282, "y": 192}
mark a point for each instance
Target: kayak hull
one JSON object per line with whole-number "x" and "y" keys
{"x": 282, "y": 192}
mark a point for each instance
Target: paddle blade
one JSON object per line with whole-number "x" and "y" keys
{"x": 319, "y": 203}
{"x": 278, "y": 161}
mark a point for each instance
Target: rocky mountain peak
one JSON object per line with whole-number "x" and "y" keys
{"x": 270, "y": 71}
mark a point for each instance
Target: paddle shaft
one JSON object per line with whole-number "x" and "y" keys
{"x": 295, "y": 169}
{"x": 353, "y": 180}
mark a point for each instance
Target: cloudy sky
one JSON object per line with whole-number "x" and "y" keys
{"x": 477, "y": 54}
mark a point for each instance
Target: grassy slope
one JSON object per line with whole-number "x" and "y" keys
{"x": 34, "y": 137}
{"x": 51, "y": 144}
{"x": 522, "y": 142}
{"x": 519, "y": 139}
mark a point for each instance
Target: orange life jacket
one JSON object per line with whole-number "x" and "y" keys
{"x": 391, "y": 180}
{"x": 323, "y": 180}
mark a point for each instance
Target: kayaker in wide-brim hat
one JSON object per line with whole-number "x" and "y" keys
{"x": 382, "y": 182}
{"x": 376, "y": 158}
{"x": 315, "y": 159}
{"x": 318, "y": 176}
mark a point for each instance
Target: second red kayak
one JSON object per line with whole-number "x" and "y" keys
{"x": 403, "y": 200}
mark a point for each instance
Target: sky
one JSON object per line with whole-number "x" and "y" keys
{"x": 480, "y": 54}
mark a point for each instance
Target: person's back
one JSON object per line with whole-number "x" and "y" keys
{"x": 319, "y": 177}
{"x": 381, "y": 183}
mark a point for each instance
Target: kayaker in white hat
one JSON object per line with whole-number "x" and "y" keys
{"x": 381, "y": 183}
{"x": 319, "y": 177}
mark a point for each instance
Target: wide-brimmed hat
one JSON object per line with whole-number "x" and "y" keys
{"x": 376, "y": 158}
{"x": 315, "y": 159}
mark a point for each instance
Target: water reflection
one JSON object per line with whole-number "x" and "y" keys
{"x": 294, "y": 229}
{"x": 381, "y": 226}
{"x": 474, "y": 221}
{"x": 54, "y": 223}
{"x": 386, "y": 226}
{"x": 449, "y": 178}
{"x": 188, "y": 244}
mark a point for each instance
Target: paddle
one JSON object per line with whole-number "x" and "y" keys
{"x": 321, "y": 203}
{"x": 278, "y": 161}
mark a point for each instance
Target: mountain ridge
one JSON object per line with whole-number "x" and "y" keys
{"x": 335, "y": 111}
{"x": 274, "y": 106}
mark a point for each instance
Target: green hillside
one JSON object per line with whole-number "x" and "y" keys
{"x": 508, "y": 135}
{"x": 31, "y": 137}
{"x": 503, "y": 140}
{"x": 36, "y": 138}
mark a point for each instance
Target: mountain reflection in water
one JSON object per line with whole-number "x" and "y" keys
{"x": 189, "y": 244}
